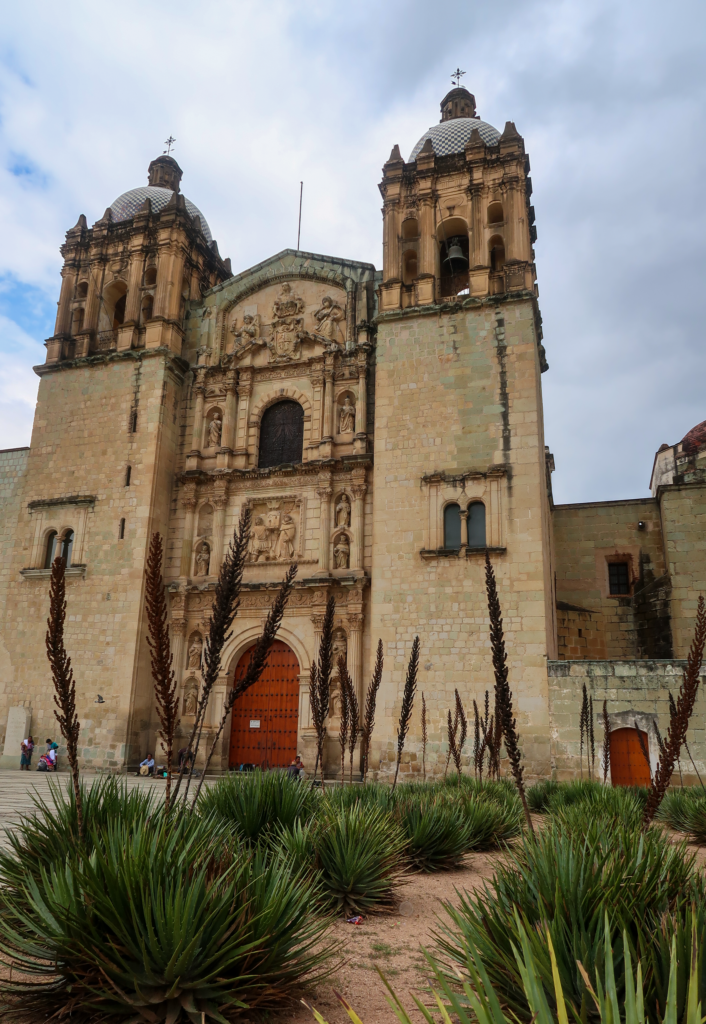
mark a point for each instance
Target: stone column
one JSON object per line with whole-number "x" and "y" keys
{"x": 243, "y": 425}
{"x": 355, "y": 655}
{"x": 317, "y": 384}
{"x": 188, "y": 502}
{"x": 93, "y": 298}
{"x": 350, "y": 313}
{"x": 199, "y": 390}
{"x": 324, "y": 492}
{"x": 391, "y": 250}
{"x": 358, "y": 525}
{"x": 361, "y": 409}
{"x": 178, "y": 632}
{"x": 132, "y": 308}
{"x": 220, "y": 503}
{"x": 464, "y": 529}
{"x": 63, "y": 314}
{"x": 328, "y": 402}
{"x": 427, "y": 241}
{"x": 478, "y": 255}
{"x": 230, "y": 411}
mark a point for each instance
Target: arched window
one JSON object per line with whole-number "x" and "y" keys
{"x": 410, "y": 228}
{"x": 495, "y": 213}
{"x": 409, "y": 266}
{"x": 121, "y": 530}
{"x": 147, "y": 308}
{"x": 281, "y": 434}
{"x": 50, "y": 549}
{"x": 67, "y": 544}
{"x": 119, "y": 311}
{"x": 77, "y": 321}
{"x": 82, "y": 290}
{"x": 476, "y": 524}
{"x": 133, "y": 421}
{"x": 150, "y": 276}
{"x": 128, "y": 475}
{"x": 496, "y": 247}
{"x": 452, "y": 527}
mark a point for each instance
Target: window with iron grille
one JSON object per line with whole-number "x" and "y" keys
{"x": 281, "y": 434}
{"x": 619, "y": 578}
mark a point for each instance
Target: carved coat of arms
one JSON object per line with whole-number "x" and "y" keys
{"x": 287, "y": 326}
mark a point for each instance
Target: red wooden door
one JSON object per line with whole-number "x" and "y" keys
{"x": 264, "y": 722}
{"x": 628, "y": 765}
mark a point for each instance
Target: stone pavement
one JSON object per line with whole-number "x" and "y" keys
{"x": 17, "y": 788}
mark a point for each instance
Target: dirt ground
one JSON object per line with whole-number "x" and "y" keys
{"x": 391, "y": 942}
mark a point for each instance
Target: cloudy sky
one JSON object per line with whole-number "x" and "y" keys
{"x": 609, "y": 96}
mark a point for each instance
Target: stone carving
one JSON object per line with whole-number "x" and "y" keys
{"x": 195, "y": 649}
{"x": 343, "y": 511}
{"x": 273, "y": 534}
{"x": 287, "y": 323}
{"x": 339, "y": 648}
{"x": 328, "y": 317}
{"x": 347, "y": 417}
{"x": 215, "y": 428}
{"x": 248, "y": 335}
{"x": 190, "y": 701}
{"x": 203, "y": 559}
{"x": 341, "y": 552}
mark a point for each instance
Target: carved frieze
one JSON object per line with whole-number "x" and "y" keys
{"x": 278, "y": 529}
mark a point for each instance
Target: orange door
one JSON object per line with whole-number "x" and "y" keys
{"x": 264, "y": 722}
{"x": 628, "y": 765}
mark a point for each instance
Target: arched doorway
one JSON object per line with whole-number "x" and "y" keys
{"x": 628, "y": 765}
{"x": 264, "y": 721}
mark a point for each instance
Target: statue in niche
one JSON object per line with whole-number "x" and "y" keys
{"x": 260, "y": 544}
{"x": 203, "y": 560}
{"x": 328, "y": 317}
{"x": 342, "y": 552}
{"x": 347, "y": 417}
{"x": 215, "y": 428}
{"x": 339, "y": 648}
{"x": 190, "y": 701}
{"x": 248, "y": 335}
{"x": 343, "y": 511}
{"x": 195, "y": 652}
{"x": 285, "y": 543}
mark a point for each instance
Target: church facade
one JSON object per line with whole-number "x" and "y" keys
{"x": 385, "y": 428}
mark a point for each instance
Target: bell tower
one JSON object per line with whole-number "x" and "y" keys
{"x": 459, "y": 438}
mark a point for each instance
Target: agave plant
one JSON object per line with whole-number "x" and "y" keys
{"x": 492, "y": 824}
{"x": 538, "y": 795}
{"x": 255, "y": 802}
{"x": 475, "y": 1000}
{"x": 621, "y": 806}
{"x": 160, "y": 924}
{"x": 359, "y": 854}
{"x": 437, "y": 833}
{"x": 564, "y": 882}
{"x": 684, "y": 810}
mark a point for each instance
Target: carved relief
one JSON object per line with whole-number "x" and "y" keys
{"x": 275, "y": 530}
{"x": 346, "y": 419}
{"x": 341, "y": 552}
{"x": 339, "y": 648}
{"x": 327, "y": 320}
{"x": 203, "y": 559}
{"x": 287, "y": 324}
{"x": 247, "y": 335}
{"x": 343, "y": 511}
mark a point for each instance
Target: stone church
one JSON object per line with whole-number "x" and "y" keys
{"x": 385, "y": 428}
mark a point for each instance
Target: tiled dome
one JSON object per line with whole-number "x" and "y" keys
{"x": 695, "y": 439}
{"x": 127, "y": 205}
{"x": 454, "y": 135}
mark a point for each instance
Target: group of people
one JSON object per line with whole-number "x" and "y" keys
{"x": 186, "y": 761}
{"x": 47, "y": 761}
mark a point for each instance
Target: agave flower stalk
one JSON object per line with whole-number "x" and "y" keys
{"x": 353, "y": 724}
{"x": 258, "y": 662}
{"x": 424, "y": 738}
{"x": 644, "y": 748}
{"x": 369, "y": 713}
{"x": 503, "y": 695}
{"x": 606, "y": 742}
{"x": 410, "y": 688}
{"x": 583, "y": 725}
{"x": 63, "y": 677}
{"x": 165, "y": 681}
{"x": 344, "y": 683}
{"x": 452, "y": 731}
{"x": 679, "y": 719}
{"x": 463, "y": 723}
{"x": 591, "y": 741}
{"x": 226, "y": 602}
{"x": 320, "y": 684}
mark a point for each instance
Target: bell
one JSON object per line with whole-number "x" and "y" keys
{"x": 455, "y": 260}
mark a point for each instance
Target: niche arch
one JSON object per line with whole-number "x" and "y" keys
{"x": 215, "y": 412}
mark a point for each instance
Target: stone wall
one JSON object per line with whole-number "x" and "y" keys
{"x": 13, "y": 467}
{"x": 592, "y": 623}
{"x": 634, "y": 690}
{"x": 683, "y": 510}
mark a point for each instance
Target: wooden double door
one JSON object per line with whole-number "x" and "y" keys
{"x": 628, "y": 764}
{"x": 264, "y": 719}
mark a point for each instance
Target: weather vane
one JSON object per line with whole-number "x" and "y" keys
{"x": 170, "y": 142}
{"x": 457, "y": 76}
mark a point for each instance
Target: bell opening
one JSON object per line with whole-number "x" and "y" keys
{"x": 454, "y": 265}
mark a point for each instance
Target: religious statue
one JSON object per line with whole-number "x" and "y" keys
{"x": 285, "y": 543}
{"x": 342, "y": 552}
{"x": 260, "y": 545}
{"x": 343, "y": 511}
{"x": 195, "y": 652}
{"x": 203, "y": 560}
{"x": 347, "y": 418}
{"x": 248, "y": 335}
{"x": 339, "y": 648}
{"x": 214, "y": 430}
{"x": 328, "y": 316}
{"x": 190, "y": 702}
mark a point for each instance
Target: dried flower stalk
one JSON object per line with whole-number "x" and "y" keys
{"x": 344, "y": 682}
{"x": 463, "y": 723}
{"x": 606, "y": 742}
{"x": 503, "y": 695}
{"x": 452, "y": 743}
{"x": 591, "y": 741}
{"x": 369, "y": 714}
{"x": 583, "y": 725}
{"x": 63, "y": 678}
{"x": 165, "y": 681}
{"x": 679, "y": 719}
{"x": 353, "y": 723}
{"x": 321, "y": 682}
{"x": 645, "y": 750}
{"x": 424, "y": 738}
{"x": 410, "y": 687}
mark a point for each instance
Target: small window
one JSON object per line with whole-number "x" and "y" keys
{"x": 619, "y": 578}
{"x": 67, "y": 545}
{"x": 119, "y": 311}
{"x": 128, "y": 474}
{"x": 409, "y": 266}
{"x": 495, "y": 213}
{"x": 147, "y": 308}
{"x": 150, "y": 276}
{"x": 410, "y": 228}
{"x": 133, "y": 421}
{"x": 497, "y": 253}
{"x": 476, "y": 524}
{"x": 452, "y": 527}
{"x": 281, "y": 434}
{"x": 82, "y": 290}
{"x": 77, "y": 321}
{"x": 121, "y": 530}
{"x": 50, "y": 550}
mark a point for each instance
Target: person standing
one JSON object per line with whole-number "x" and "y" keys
{"x": 26, "y": 748}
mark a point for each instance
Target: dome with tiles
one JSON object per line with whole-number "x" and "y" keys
{"x": 164, "y": 176}
{"x": 458, "y": 120}
{"x": 695, "y": 440}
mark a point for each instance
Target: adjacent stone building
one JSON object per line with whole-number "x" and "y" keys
{"x": 385, "y": 428}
